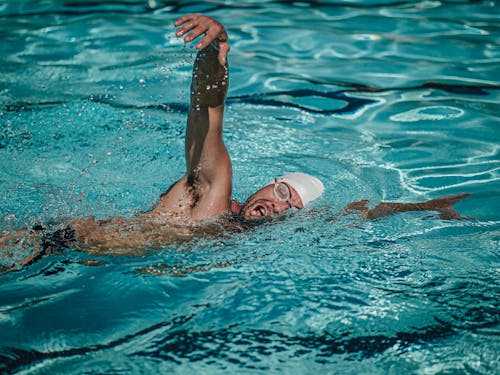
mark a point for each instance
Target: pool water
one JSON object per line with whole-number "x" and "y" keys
{"x": 383, "y": 100}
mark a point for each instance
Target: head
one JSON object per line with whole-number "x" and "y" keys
{"x": 292, "y": 190}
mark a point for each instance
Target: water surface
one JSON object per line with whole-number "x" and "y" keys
{"x": 394, "y": 101}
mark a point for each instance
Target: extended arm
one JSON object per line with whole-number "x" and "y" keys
{"x": 208, "y": 163}
{"x": 443, "y": 205}
{"x": 205, "y": 189}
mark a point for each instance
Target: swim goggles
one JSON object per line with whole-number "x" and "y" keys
{"x": 282, "y": 192}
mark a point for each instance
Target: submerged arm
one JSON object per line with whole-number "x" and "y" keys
{"x": 443, "y": 205}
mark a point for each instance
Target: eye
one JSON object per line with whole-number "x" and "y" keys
{"x": 281, "y": 191}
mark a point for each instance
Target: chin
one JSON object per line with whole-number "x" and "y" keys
{"x": 256, "y": 220}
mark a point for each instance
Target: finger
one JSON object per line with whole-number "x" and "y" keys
{"x": 195, "y": 33}
{"x": 181, "y": 20}
{"x": 189, "y": 23}
{"x": 223, "y": 51}
{"x": 213, "y": 31}
{"x": 205, "y": 41}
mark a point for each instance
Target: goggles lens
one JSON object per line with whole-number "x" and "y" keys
{"x": 282, "y": 191}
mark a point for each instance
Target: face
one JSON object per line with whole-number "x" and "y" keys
{"x": 270, "y": 201}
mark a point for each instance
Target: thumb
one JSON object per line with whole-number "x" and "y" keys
{"x": 223, "y": 52}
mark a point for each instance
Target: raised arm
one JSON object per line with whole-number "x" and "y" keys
{"x": 205, "y": 190}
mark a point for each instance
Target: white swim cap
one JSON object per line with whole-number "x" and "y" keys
{"x": 308, "y": 187}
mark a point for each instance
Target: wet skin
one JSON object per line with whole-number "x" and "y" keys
{"x": 264, "y": 203}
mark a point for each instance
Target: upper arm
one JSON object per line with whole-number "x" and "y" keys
{"x": 209, "y": 174}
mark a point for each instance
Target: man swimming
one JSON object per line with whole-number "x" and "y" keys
{"x": 203, "y": 195}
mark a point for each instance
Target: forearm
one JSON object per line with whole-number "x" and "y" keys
{"x": 204, "y": 145}
{"x": 210, "y": 79}
{"x": 386, "y": 209}
{"x": 443, "y": 205}
{"x": 210, "y": 73}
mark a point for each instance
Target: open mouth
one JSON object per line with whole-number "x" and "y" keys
{"x": 260, "y": 210}
{"x": 257, "y": 210}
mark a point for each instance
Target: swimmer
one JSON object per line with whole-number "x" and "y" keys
{"x": 202, "y": 196}
{"x": 205, "y": 190}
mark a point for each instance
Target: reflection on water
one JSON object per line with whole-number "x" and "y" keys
{"x": 382, "y": 101}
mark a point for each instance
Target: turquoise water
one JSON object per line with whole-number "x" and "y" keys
{"x": 394, "y": 101}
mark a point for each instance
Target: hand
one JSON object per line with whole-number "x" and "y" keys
{"x": 194, "y": 25}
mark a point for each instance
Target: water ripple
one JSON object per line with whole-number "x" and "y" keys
{"x": 381, "y": 99}
{"x": 246, "y": 348}
{"x": 429, "y": 113}
{"x": 445, "y": 177}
